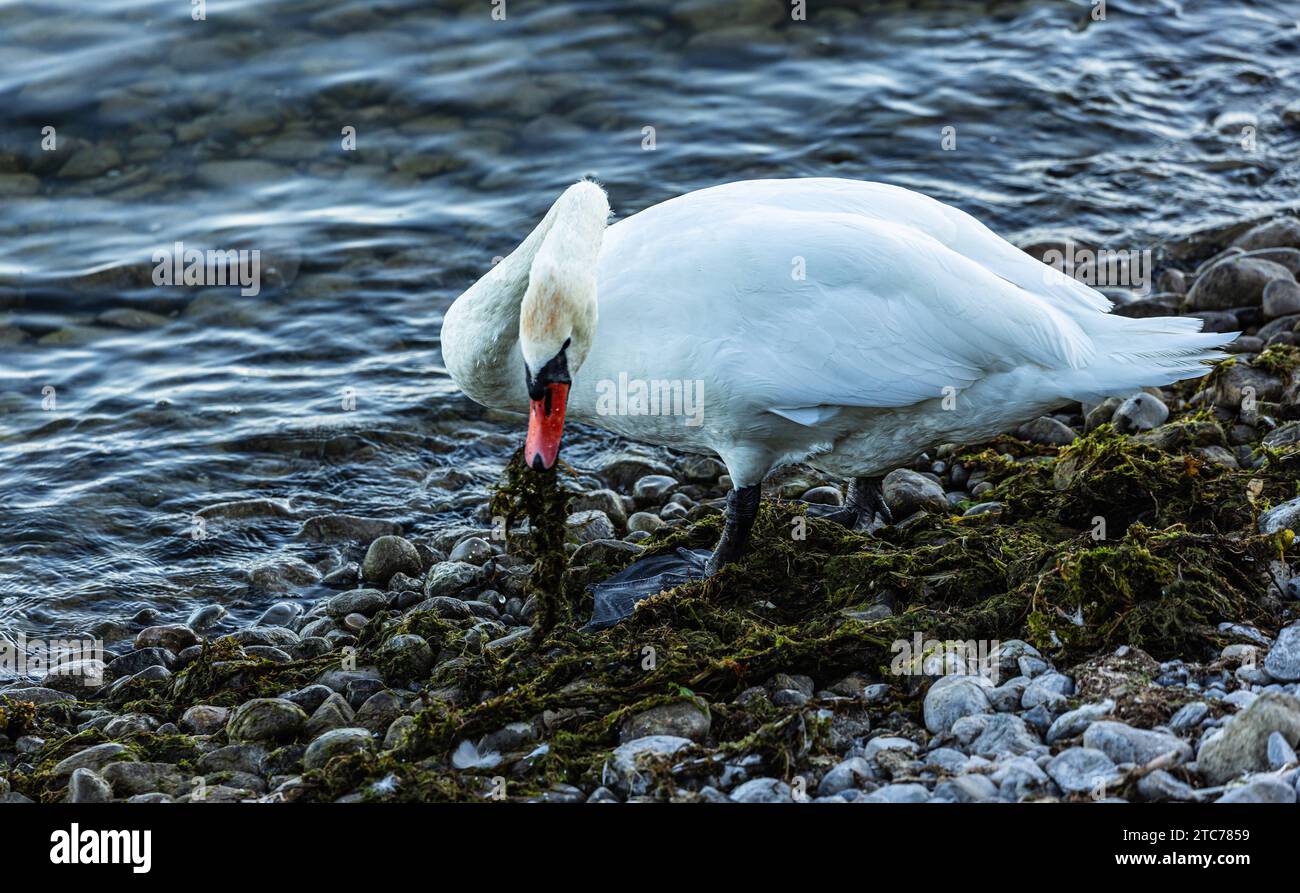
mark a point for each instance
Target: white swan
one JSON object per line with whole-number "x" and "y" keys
{"x": 844, "y": 324}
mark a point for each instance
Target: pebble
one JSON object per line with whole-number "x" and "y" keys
{"x": 450, "y": 578}
{"x": 1283, "y": 660}
{"x": 588, "y": 526}
{"x": 1082, "y": 769}
{"x": 1280, "y": 753}
{"x": 846, "y": 775}
{"x": 907, "y": 492}
{"x": 204, "y": 719}
{"x": 1125, "y": 744}
{"x": 389, "y": 555}
{"x": 952, "y": 697}
{"x": 266, "y": 719}
{"x": 1263, "y": 790}
{"x": 1047, "y": 431}
{"x": 87, "y": 786}
{"x": 1076, "y": 721}
{"x": 1005, "y": 734}
{"x": 471, "y": 550}
{"x": 1141, "y": 412}
{"x": 624, "y": 770}
{"x": 681, "y": 719}
{"x": 1047, "y": 688}
{"x": 1189, "y": 716}
{"x": 334, "y": 743}
{"x": 762, "y": 790}
{"x": 1242, "y": 745}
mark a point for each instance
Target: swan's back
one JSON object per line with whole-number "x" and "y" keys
{"x": 826, "y": 292}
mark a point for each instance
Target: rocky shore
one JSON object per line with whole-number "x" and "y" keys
{"x": 1125, "y": 567}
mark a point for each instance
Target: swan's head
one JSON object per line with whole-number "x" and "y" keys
{"x": 557, "y": 321}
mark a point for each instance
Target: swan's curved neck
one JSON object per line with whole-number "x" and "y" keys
{"x": 480, "y": 331}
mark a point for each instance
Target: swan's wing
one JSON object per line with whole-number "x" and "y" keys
{"x": 801, "y": 309}
{"x": 885, "y": 203}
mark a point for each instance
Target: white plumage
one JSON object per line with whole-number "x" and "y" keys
{"x": 845, "y": 324}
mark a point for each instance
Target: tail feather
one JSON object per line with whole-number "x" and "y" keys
{"x": 1146, "y": 353}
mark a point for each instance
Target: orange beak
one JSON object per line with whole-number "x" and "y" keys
{"x": 545, "y": 425}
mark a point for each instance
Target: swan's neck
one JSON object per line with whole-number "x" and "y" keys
{"x": 480, "y": 331}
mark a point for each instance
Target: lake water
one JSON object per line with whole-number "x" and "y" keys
{"x": 126, "y": 407}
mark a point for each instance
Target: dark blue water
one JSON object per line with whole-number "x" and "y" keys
{"x": 127, "y": 407}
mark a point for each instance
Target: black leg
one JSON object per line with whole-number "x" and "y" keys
{"x": 867, "y": 495}
{"x": 742, "y": 508}
{"x": 865, "y": 499}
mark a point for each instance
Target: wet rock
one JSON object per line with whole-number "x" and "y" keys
{"x": 907, "y": 492}
{"x": 1125, "y": 744}
{"x": 606, "y": 501}
{"x": 205, "y": 617}
{"x": 1068, "y": 725}
{"x": 1280, "y": 753}
{"x": 700, "y": 469}
{"x": 1189, "y": 716}
{"x": 1281, "y": 298}
{"x": 379, "y": 711}
{"x": 389, "y": 555}
{"x": 174, "y": 637}
{"x": 347, "y": 528}
{"x": 1262, "y": 790}
{"x": 1046, "y": 430}
{"x": 282, "y": 574}
{"x": 450, "y": 578}
{"x": 653, "y": 489}
{"x": 333, "y": 713}
{"x": 266, "y": 719}
{"x": 406, "y": 657}
{"x": 966, "y": 789}
{"x": 1283, "y": 661}
{"x": 96, "y": 757}
{"x": 133, "y": 662}
{"x": 129, "y": 779}
{"x": 471, "y": 550}
{"x": 625, "y": 770}
{"x": 1047, "y": 688}
{"x": 280, "y": 614}
{"x": 1234, "y": 282}
{"x": 87, "y": 786}
{"x": 644, "y": 522}
{"x": 585, "y": 527}
{"x": 762, "y": 790}
{"x": 204, "y": 719}
{"x": 1005, "y": 734}
{"x": 909, "y": 792}
{"x": 1285, "y": 516}
{"x": 338, "y": 742}
{"x": 1242, "y": 746}
{"x": 1082, "y": 769}
{"x": 846, "y": 775}
{"x": 1280, "y": 232}
{"x": 622, "y": 470}
{"x": 90, "y": 161}
{"x": 273, "y": 636}
{"x": 823, "y": 496}
{"x": 365, "y": 602}
{"x": 250, "y": 758}
{"x": 682, "y": 719}
{"x": 952, "y": 697}
{"x": 1160, "y": 786}
{"x": 244, "y": 509}
{"x": 1141, "y": 412}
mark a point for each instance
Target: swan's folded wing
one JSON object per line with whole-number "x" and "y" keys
{"x": 883, "y": 316}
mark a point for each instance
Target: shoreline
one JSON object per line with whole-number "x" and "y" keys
{"x": 1157, "y": 661}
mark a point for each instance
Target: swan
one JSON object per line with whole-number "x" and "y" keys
{"x": 847, "y": 325}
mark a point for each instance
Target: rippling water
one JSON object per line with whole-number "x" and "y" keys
{"x": 125, "y": 407}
